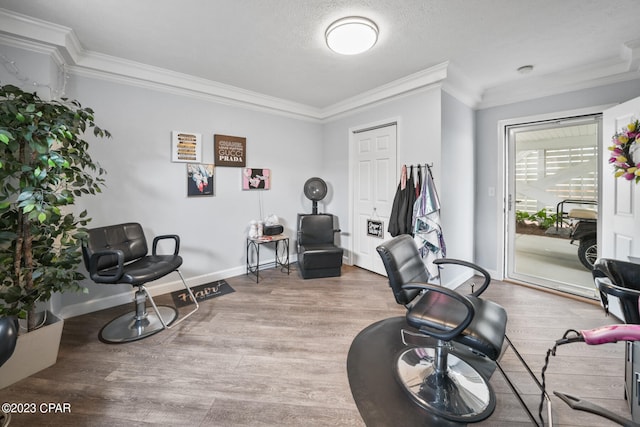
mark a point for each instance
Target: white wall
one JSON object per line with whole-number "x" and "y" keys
{"x": 457, "y": 181}
{"x": 421, "y": 139}
{"x": 418, "y": 141}
{"x": 488, "y": 162}
{"x": 143, "y": 185}
{"x": 434, "y": 128}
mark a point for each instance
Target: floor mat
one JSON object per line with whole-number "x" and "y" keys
{"x": 202, "y": 293}
{"x": 380, "y": 399}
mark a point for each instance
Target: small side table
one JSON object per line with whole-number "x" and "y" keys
{"x": 281, "y": 243}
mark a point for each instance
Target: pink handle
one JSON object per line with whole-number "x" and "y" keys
{"x": 611, "y": 333}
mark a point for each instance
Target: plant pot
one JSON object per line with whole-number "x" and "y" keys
{"x": 35, "y": 351}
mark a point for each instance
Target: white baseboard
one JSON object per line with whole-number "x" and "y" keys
{"x": 161, "y": 289}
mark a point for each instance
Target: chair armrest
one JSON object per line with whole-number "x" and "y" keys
{"x": 448, "y": 334}
{"x": 487, "y": 277}
{"x": 175, "y": 238}
{"x": 113, "y": 276}
{"x": 606, "y": 287}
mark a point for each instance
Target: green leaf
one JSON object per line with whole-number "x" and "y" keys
{"x": 42, "y": 217}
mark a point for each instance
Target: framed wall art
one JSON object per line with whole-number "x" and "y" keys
{"x": 256, "y": 179}
{"x": 199, "y": 179}
{"x": 375, "y": 228}
{"x": 186, "y": 147}
{"x": 230, "y": 150}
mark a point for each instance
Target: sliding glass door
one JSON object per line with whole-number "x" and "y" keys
{"x": 553, "y": 203}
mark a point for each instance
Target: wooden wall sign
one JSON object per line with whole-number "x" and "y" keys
{"x": 230, "y": 150}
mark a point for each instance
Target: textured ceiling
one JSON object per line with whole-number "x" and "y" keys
{"x": 277, "y": 47}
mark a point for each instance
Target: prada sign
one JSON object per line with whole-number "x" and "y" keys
{"x": 230, "y": 150}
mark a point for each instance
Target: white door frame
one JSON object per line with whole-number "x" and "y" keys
{"x": 501, "y": 184}
{"x": 352, "y": 158}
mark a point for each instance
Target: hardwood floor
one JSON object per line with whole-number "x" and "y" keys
{"x": 274, "y": 354}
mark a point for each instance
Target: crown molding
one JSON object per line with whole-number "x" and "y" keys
{"x": 63, "y": 46}
{"x": 42, "y": 32}
{"x": 409, "y": 84}
{"x": 29, "y": 33}
{"x": 458, "y": 85}
{"x": 31, "y": 46}
{"x": 59, "y": 41}
{"x": 612, "y": 70}
{"x": 119, "y": 70}
{"x": 630, "y": 52}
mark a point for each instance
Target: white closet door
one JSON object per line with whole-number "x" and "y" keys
{"x": 375, "y": 183}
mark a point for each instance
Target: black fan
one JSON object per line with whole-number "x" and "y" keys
{"x": 315, "y": 189}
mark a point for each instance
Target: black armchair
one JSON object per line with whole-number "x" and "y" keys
{"x": 318, "y": 256}
{"x": 118, "y": 254}
{"x": 434, "y": 377}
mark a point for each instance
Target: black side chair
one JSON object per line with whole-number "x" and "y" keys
{"x": 318, "y": 256}
{"x": 118, "y": 254}
{"x": 435, "y": 376}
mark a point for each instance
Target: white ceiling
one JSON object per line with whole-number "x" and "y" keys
{"x": 275, "y": 48}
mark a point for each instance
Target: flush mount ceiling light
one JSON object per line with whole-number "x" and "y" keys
{"x": 352, "y": 35}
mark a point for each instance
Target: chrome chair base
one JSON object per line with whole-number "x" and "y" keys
{"x": 128, "y": 327}
{"x": 460, "y": 394}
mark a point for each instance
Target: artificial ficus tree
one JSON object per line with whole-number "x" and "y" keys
{"x": 44, "y": 166}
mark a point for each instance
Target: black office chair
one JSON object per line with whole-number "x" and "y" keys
{"x": 318, "y": 255}
{"x": 118, "y": 254}
{"x": 435, "y": 376}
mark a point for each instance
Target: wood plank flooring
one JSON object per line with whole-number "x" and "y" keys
{"x": 274, "y": 354}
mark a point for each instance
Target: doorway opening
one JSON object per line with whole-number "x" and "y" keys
{"x": 552, "y": 190}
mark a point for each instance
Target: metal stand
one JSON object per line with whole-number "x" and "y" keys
{"x": 444, "y": 384}
{"x": 140, "y": 323}
{"x": 281, "y": 254}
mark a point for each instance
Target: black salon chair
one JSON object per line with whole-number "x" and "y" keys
{"x": 118, "y": 254}
{"x": 436, "y": 378}
{"x": 620, "y": 279}
{"x": 8, "y": 337}
{"x": 8, "y": 340}
{"x": 318, "y": 255}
